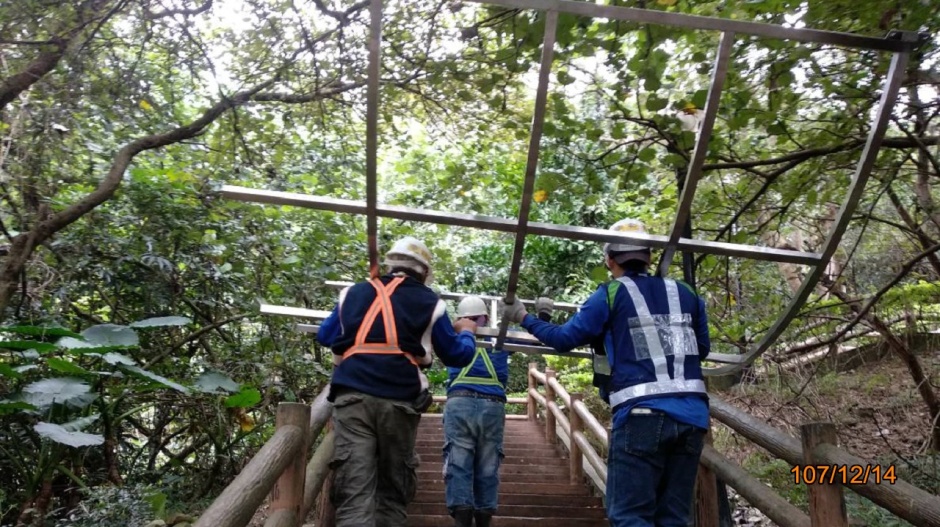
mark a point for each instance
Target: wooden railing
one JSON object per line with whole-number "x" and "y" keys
{"x": 279, "y": 470}
{"x": 817, "y": 448}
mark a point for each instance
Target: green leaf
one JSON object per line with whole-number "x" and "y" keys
{"x": 563, "y": 78}
{"x": 41, "y": 347}
{"x": 245, "y": 398}
{"x": 655, "y": 104}
{"x": 699, "y": 98}
{"x": 619, "y": 131}
{"x": 61, "y": 435}
{"x": 118, "y": 359}
{"x": 646, "y": 155}
{"x": 112, "y": 335}
{"x": 39, "y": 331}
{"x": 212, "y": 382}
{"x": 7, "y": 371}
{"x": 165, "y": 321}
{"x": 67, "y": 367}
{"x": 145, "y": 374}
{"x": 55, "y": 390}
{"x": 599, "y": 274}
{"x": 675, "y": 160}
{"x": 8, "y": 406}
{"x": 777, "y": 128}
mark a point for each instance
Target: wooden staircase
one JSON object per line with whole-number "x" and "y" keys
{"x": 534, "y": 491}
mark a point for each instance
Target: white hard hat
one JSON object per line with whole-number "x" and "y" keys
{"x": 409, "y": 251}
{"x": 471, "y": 306}
{"x": 629, "y": 225}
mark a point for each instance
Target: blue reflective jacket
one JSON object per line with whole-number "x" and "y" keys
{"x": 637, "y": 374}
{"x": 478, "y": 378}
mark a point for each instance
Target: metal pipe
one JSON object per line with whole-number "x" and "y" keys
{"x": 719, "y": 73}
{"x": 494, "y": 223}
{"x": 653, "y": 16}
{"x": 372, "y": 132}
{"x": 532, "y": 162}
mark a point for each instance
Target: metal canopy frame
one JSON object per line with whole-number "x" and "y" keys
{"x": 898, "y": 43}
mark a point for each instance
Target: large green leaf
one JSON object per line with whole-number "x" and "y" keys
{"x": 111, "y": 335}
{"x": 41, "y": 347}
{"x": 65, "y": 366}
{"x": 212, "y": 382}
{"x": 118, "y": 359}
{"x": 60, "y": 434}
{"x": 243, "y": 399}
{"x": 8, "y": 406}
{"x": 56, "y": 390}
{"x": 39, "y": 331}
{"x": 7, "y": 371}
{"x": 161, "y": 322}
{"x": 146, "y": 374}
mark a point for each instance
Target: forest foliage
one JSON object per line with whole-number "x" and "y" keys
{"x": 132, "y": 350}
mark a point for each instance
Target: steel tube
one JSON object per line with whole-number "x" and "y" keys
{"x": 532, "y": 163}
{"x": 652, "y": 16}
{"x": 719, "y": 73}
{"x": 372, "y": 132}
{"x": 862, "y": 171}
{"x": 494, "y": 223}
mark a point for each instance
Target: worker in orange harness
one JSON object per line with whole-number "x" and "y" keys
{"x": 382, "y": 333}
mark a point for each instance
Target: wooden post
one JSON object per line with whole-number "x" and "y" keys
{"x": 706, "y": 493}
{"x": 826, "y": 505}
{"x": 549, "y": 416}
{"x": 288, "y": 493}
{"x": 531, "y": 405}
{"x": 575, "y": 464}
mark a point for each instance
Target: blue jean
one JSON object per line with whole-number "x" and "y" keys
{"x": 473, "y": 449}
{"x": 651, "y": 471}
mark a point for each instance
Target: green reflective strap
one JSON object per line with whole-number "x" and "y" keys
{"x": 465, "y": 378}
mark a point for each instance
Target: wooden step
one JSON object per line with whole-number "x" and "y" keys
{"x": 529, "y": 511}
{"x": 437, "y": 497}
{"x": 418, "y": 520}
{"x": 547, "y": 471}
{"x": 557, "y": 489}
{"x": 532, "y": 446}
{"x": 437, "y": 458}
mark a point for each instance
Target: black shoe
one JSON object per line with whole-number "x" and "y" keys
{"x": 463, "y": 517}
{"x": 482, "y": 518}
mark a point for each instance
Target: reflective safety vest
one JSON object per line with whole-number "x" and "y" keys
{"x": 654, "y": 338}
{"x": 464, "y": 376}
{"x": 381, "y": 305}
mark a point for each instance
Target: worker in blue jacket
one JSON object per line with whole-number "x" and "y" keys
{"x": 382, "y": 333}
{"x": 655, "y": 334}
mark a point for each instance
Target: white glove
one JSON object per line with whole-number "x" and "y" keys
{"x": 544, "y": 305}
{"x": 514, "y": 312}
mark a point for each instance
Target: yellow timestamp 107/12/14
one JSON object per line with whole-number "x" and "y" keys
{"x": 843, "y": 474}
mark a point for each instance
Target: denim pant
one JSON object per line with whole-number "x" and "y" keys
{"x": 473, "y": 448}
{"x": 374, "y": 461}
{"x": 652, "y": 465}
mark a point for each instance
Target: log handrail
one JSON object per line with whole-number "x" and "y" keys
{"x": 901, "y": 498}
{"x": 239, "y": 501}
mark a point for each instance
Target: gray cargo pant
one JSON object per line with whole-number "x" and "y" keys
{"x": 374, "y": 461}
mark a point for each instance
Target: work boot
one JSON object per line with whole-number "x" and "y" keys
{"x": 482, "y": 518}
{"x": 463, "y": 517}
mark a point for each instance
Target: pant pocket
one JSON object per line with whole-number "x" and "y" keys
{"x": 337, "y": 462}
{"x": 643, "y": 434}
{"x": 409, "y": 478}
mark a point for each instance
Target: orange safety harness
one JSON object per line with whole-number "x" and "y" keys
{"x": 381, "y": 305}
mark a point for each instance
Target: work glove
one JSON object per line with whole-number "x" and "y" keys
{"x": 514, "y": 312}
{"x": 544, "y": 306}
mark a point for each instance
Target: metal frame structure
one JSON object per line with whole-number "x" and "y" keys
{"x": 898, "y": 43}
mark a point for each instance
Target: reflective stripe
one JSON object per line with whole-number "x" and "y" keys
{"x": 676, "y": 330}
{"x": 601, "y": 364}
{"x": 648, "y": 326}
{"x": 381, "y": 305}
{"x": 656, "y": 388}
{"x": 465, "y": 378}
